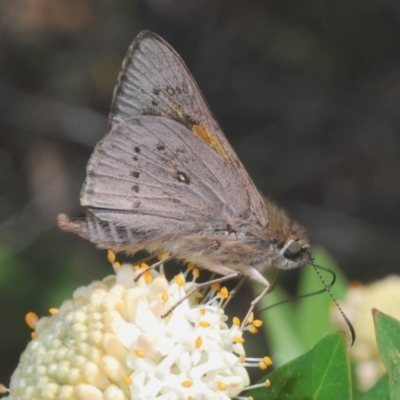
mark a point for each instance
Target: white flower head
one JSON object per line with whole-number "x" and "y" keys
{"x": 112, "y": 341}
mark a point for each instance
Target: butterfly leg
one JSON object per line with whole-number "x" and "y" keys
{"x": 253, "y": 274}
{"x": 202, "y": 285}
{"x": 233, "y": 292}
{"x": 153, "y": 266}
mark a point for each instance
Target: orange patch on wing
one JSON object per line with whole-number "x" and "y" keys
{"x": 206, "y": 136}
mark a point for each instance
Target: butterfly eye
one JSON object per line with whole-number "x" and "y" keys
{"x": 292, "y": 249}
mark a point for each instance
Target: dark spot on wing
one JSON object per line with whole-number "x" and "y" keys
{"x": 135, "y": 174}
{"x": 136, "y": 204}
{"x": 134, "y": 158}
{"x": 156, "y": 91}
{"x": 121, "y": 232}
{"x": 178, "y": 90}
{"x": 160, "y": 147}
{"x": 154, "y": 103}
{"x": 137, "y": 149}
{"x": 135, "y": 188}
{"x": 182, "y": 177}
{"x": 185, "y": 88}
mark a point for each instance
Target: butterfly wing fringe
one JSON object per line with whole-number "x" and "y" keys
{"x": 88, "y": 226}
{"x": 77, "y": 224}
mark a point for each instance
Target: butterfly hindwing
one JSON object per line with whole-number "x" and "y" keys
{"x": 148, "y": 168}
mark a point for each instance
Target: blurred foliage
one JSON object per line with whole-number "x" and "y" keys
{"x": 324, "y": 371}
{"x": 311, "y": 362}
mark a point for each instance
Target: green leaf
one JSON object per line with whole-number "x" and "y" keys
{"x": 278, "y": 327}
{"x": 321, "y": 374}
{"x": 379, "y": 391}
{"x": 388, "y": 338}
{"x": 313, "y": 319}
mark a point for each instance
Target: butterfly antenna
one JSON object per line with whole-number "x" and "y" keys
{"x": 300, "y": 296}
{"x": 327, "y": 288}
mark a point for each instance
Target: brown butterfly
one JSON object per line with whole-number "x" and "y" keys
{"x": 166, "y": 179}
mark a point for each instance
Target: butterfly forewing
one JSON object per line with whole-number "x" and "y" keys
{"x": 155, "y": 81}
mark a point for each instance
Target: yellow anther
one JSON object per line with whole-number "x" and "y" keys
{"x": 140, "y": 353}
{"x": 257, "y": 323}
{"x": 143, "y": 266}
{"x": 216, "y": 287}
{"x": 3, "y": 389}
{"x": 204, "y": 324}
{"x": 238, "y": 339}
{"x": 267, "y": 383}
{"x": 53, "y": 310}
{"x": 164, "y": 297}
{"x": 179, "y": 280}
{"x": 33, "y": 335}
{"x": 161, "y": 276}
{"x": 191, "y": 266}
{"x": 148, "y": 277}
{"x": 242, "y": 358}
{"x": 223, "y": 293}
{"x": 31, "y": 319}
{"x": 163, "y": 255}
{"x": 253, "y": 329}
{"x": 202, "y": 311}
{"x": 267, "y": 360}
{"x": 187, "y": 383}
{"x": 262, "y": 365}
{"x": 128, "y": 381}
{"x": 236, "y": 321}
{"x": 221, "y": 385}
{"x": 251, "y": 318}
{"x": 111, "y": 256}
{"x": 137, "y": 266}
{"x": 198, "y": 342}
{"x": 196, "y": 272}
{"x": 117, "y": 265}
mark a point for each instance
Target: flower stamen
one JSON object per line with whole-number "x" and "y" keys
{"x": 140, "y": 353}
{"x": 31, "y": 319}
{"x": 127, "y": 380}
{"x": 221, "y": 385}
{"x": 198, "y": 342}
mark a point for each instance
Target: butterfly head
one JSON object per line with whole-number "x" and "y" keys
{"x": 290, "y": 242}
{"x": 295, "y": 250}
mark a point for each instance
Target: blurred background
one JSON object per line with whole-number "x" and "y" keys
{"x": 308, "y": 93}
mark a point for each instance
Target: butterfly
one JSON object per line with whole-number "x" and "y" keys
{"x": 166, "y": 179}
